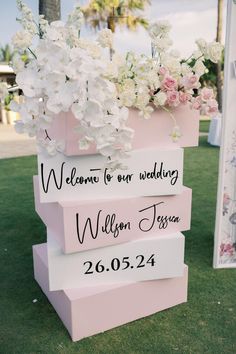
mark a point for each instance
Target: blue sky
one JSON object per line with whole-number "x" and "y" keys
{"x": 190, "y": 19}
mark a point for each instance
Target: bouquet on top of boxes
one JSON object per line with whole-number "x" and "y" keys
{"x": 113, "y": 236}
{"x": 63, "y": 72}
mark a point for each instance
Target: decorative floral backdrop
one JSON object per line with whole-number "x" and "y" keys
{"x": 227, "y": 248}
{"x": 225, "y": 235}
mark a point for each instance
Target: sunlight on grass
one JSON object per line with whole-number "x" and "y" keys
{"x": 204, "y": 126}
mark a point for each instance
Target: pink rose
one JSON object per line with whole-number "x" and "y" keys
{"x": 226, "y": 248}
{"x": 207, "y": 94}
{"x": 211, "y": 107}
{"x": 163, "y": 71}
{"x": 184, "y": 97}
{"x": 197, "y": 103}
{"x": 173, "y": 98}
{"x": 169, "y": 83}
{"x": 191, "y": 81}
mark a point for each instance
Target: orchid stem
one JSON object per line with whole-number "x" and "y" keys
{"x": 32, "y": 53}
{"x": 171, "y": 114}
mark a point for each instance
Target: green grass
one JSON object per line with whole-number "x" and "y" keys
{"x": 205, "y": 324}
{"x": 204, "y": 126}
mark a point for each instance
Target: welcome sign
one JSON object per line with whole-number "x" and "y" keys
{"x": 149, "y": 172}
{"x": 80, "y": 226}
{"x": 146, "y": 259}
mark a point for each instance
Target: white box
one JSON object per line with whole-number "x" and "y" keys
{"x": 145, "y": 259}
{"x": 150, "y": 172}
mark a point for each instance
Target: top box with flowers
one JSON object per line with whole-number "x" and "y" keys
{"x": 78, "y": 100}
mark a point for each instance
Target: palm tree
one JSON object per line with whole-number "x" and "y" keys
{"x": 219, "y": 64}
{"x": 110, "y": 13}
{"x": 51, "y": 9}
{"x": 6, "y": 53}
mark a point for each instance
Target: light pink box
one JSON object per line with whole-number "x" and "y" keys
{"x": 151, "y": 133}
{"x": 67, "y": 220}
{"x": 88, "y": 311}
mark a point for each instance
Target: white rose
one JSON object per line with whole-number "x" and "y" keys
{"x": 153, "y": 80}
{"x": 159, "y": 27}
{"x": 128, "y": 84}
{"x": 142, "y": 100}
{"x": 214, "y": 51}
{"x": 202, "y": 44}
{"x": 160, "y": 99}
{"x": 162, "y": 44}
{"x": 111, "y": 71}
{"x": 105, "y": 38}
{"x": 22, "y": 40}
{"x": 199, "y": 68}
{"x": 185, "y": 69}
{"x": 172, "y": 64}
{"x": 127, "y": 96}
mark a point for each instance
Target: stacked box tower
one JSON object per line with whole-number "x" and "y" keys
{"x": 114, "y": 251}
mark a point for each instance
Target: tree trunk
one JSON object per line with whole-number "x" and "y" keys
{"x": 111, "y": 23}
{"x": 218, "y": 65}
{"x": 51, "y": 9}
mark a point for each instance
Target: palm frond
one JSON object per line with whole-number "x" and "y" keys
{"x": 109, "y": 13}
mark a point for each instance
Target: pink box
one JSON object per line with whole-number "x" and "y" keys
{"x": 154, "y": 132}
{"x": 88, "y": 311}
{"x": 67, "y": 220}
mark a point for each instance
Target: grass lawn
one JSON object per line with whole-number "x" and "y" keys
{"x": 206, "y": 324}
{"x": 204, "y": 126}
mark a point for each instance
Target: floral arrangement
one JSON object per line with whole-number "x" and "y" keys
{"x": 65, "y": 72}
{"x": 165, "y": 81}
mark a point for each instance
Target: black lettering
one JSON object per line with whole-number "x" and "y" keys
{"x": 88, "y": 223}
{"x": 153, "y": 217}
{"x": 52, "y": 173}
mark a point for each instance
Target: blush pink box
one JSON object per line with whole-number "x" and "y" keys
{"x": 67, "y": 220}
{"x": 88, "y": 311}
{"x": 152, "y": 133}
